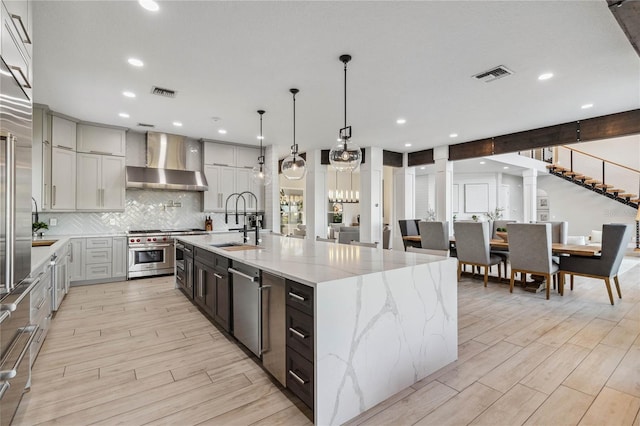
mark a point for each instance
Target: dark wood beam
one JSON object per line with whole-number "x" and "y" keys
{"x": 626, "y": 13}
{"x": 391, "y": 158}
{"x": 537, "y": 138}
{"x": 479, "y": 148}
{"x": 420, "y": 157}
{"x": 610, "y": 126}
{"x": 324, "y": 156}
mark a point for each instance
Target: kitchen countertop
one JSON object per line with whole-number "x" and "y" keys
{"x": 40, "y": 255}
{"x": 311, "y": 262}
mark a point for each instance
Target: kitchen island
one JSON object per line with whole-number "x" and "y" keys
{"x": 382, "y": 320}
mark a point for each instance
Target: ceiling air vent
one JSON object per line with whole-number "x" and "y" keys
{"x": 493, "y": 74}
{"x": 167, "y": 93}
{"x": 146, "y": 125}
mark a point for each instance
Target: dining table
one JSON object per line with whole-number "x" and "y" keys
{"x": 556, "y": 248}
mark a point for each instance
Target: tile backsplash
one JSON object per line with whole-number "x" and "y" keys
{"x": 144, "y": 209}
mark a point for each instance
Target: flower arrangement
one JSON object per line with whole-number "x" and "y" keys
{"x": 37, "y": 226}
{"x": 431, "y": 215}
{"x": 496, "y": 214}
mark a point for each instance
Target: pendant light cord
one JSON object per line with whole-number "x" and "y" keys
{"x": 345, "y": 95}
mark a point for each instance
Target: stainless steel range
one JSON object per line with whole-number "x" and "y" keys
{"x": 151, "y": 251}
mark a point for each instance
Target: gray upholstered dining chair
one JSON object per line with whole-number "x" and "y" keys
{"x": 348, "y": 234}
{"x": 499, "y": 224}
{"x": 559, "y": 232}
{"x": 472, "y": 245}
{"x": 409, "y": 227}
{"x": 530, "y": 251}
{"x": 434, "y": 236}
{"x": 615, "y": 237}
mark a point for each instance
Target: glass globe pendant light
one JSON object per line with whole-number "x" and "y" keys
{"x": 259, "y": 173}
{"x": 294, "y": 167}
{"x": 345, "y": 156}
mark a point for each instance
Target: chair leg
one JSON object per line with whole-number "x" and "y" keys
{"x": 561, "y": 283}
{"x": 486, "y": 275}
{"x": 459, "y": 270}
{"x": 555, "y": 282}
{"x": 608, "y": 284}
{"x": 615, "y": 280}
{"x": 513, "y": 275}
{"x": 548, "y": 278}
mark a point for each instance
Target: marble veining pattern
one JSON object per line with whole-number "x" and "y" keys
{"x": 395, "y": 330}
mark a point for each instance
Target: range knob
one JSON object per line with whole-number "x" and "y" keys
{"x": 154, "y": 239}
{"x": 138, "y": 240}
{"x": 164, "y": 239}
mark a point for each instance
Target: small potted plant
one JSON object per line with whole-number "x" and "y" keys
{"x": 502, "y": 233}
{"x": 36, "y": 228}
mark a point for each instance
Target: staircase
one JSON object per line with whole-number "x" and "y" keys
{"x": 598, "y": 183}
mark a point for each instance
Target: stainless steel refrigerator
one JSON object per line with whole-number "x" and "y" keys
{"x": 16, "y": 334}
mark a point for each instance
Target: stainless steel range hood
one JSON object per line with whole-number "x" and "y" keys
{"x": 166, "y": 166}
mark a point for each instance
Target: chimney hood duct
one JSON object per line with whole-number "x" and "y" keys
{"x": 166, "y": 169}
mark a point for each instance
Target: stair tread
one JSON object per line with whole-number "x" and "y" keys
{"x": 592, "y": 181}
{"x": 615, "y": 190}
{"x": 625, "y": 195}
{"x": 604, "y": 185}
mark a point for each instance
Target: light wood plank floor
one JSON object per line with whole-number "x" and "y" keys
{"x": 139, "y": 352}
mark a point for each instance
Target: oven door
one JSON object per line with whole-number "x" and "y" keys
{"x": 150, "y": 260}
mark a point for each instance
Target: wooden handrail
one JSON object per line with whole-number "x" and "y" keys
{"x": 601, "y": 159}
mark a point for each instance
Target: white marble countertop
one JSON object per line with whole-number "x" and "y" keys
{"x": 310, "y": 262}
{"x": 41, "y": 255}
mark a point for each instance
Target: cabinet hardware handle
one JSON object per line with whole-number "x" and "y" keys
{"x": 243, "y": 275}
{"x": 4, "y": 315}
{"x": 100, "y": 152}
{"x": 297, "y": 333}
{"x": 26, "y": 84}
{"x": 200, "y": 279}
{"x": 10, "y": 374}
{"x": 298, "y": 378}
{"x": 295, "y": 296}
{"x": 53, "y": 202}
{"x": 45, "y": 194}
{"x": 66, "y": 148}
{"x": 266, "y": 318}
{"x": 26, "y": 38}
{"x": 98, "y": 197}
{"x": 41, "y": 303}
{"x": 4, "y": 389}
{"x": 218, "y": 276}
{"x": 102, "y": 193}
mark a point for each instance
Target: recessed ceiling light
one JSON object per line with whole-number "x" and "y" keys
{"x": 483, "y": 162}
{"x": 149, "y": 5}
{"x": 422, "y": 168}
{"x": 505, "y": 167}
{"x": 401, "y": 121}
{"x": 135, "y": 62}
{"x": 129, "y": 94}
{"x": 222, "y": 131}
{"x": 177, "y": 124}
{"x": 407, "y": 145}
{"x": 587, "y": 106}
{"x": 453, "y": 135}
{"x": 124, "y": 115}
{"x": 261, "y": 137}
{"x": 545, "y": 76}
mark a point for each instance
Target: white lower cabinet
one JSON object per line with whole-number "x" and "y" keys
{"x": 98, "y": 259}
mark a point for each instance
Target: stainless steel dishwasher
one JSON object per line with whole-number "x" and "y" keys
{"x": 247, "y": 309}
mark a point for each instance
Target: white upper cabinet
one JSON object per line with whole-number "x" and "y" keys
{"x": 101, "y": 140}
{"x": 246, "y": 157}
{"x": 100, "y": 182}
{"x": 63, "y": 133}
{"x": 21, "y": 13}
{"x": 63, "y": 179}
{"x": 16, "y": 42}
{"x": 222, "y": 183}
{"x": 219, "y": 154}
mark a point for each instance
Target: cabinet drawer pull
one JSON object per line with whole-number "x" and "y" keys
{"x": 298, "y": 297}
{"x": 41, "y": 303}
{"x": 100, "y": 152}
{"x": 53, "y": 202}
{"x": 26, "y": 84}
{"x": 298, "y": 378}
{"x": 218, "y": 276}
{"x": 297, "y": 333}
{"x": 26, "y": 38}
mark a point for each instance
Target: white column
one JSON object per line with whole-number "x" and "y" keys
{"x": 529, "y": 193}
{"x": 315, "y": 196}
{"x": 404, "y": 203}
{"x": 371, "y": 196}
{"x": 272, "y": 191}
{"x": 444, "y": 184}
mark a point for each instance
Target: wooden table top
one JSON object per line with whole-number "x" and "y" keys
{"x": 557, "y": 248}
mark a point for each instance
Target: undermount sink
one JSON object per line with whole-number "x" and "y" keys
{"x": 221, "y": 245}
{"x": 43, "y": 243}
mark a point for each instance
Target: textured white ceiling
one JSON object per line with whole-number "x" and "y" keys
{"x": 410, "y": 59}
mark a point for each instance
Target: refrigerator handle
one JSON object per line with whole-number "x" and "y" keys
{"x": 10, "y": 218}
{"x": 266, "y": 314}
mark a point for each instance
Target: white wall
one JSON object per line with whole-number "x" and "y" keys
{"x": 583, "y": 209}
{"x": 515, "y": 193}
